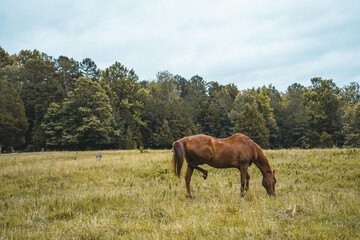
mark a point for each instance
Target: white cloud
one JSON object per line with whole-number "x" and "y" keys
{"x": 249, "y": 43}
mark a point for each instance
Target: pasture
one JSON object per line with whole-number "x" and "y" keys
{"x": 133, "y": 195}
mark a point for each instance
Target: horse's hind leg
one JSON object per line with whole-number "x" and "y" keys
{"x": 247, "y": 181}
{"x": 205, "y": 173}
{"x": 188, "y": 175}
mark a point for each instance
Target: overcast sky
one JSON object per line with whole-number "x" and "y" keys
{"x": 248, "y": 43}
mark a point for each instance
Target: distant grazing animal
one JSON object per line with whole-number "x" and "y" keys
{"x": 98, "y": 156}
{"x": 237, "y": 151}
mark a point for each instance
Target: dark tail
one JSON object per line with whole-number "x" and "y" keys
{"x": 178, "y": 156}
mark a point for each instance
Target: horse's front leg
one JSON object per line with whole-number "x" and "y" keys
{"x": 247, "y": 181}
{"x": 188, "y": 175}
{"x": 243, "y": 173}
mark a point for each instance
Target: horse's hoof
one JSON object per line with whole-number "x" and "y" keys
{"x": 205, "y": 176}
{"x": 188, "y": 196}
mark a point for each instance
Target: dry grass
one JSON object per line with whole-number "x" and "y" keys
{"x": 68, "y": 195}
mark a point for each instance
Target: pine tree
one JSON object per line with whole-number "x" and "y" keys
{"x": 322, "y": 101}
{"x": 126, "y": 98}
{"x": 221, "y": 102}
{"x": 87, "y": 119}
{"x": 53, "y": 126}
{"x": 325, "y": 140}
{"x": 13, "y": 123}
{"x": 38, "y": 87}
{"x": 68, "y": 72}
{"x": 351, "y": 92}
{"x": 350, "y": 126}
{"x": 164, "y": 108}
{"x": 268, "y": 114}
{"x": 165, "y": 138}
{"x": 251, "y": 123}
{"x": 89, "y": 69}
{"x": 130, "y": 143}
{"x": 313, "y": 139}
{"x": 5, "y": 59}
{"x": 295, "y": 123}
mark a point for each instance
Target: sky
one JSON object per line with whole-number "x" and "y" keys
{"x": 249, "y": 43}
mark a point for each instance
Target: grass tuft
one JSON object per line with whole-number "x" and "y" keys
{"x": 131, "y": 195}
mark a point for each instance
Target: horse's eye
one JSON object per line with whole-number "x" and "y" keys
{"x": 275, "y": 180}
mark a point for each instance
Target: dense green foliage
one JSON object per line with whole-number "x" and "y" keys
{"x": 85, "y": 118}
{"x": 129, "y": 195}
{"x": 13, "y": 124}
{"x": 251, "y": 123}
{"x": 75, "y": 105}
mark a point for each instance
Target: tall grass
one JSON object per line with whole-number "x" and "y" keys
{"x": 133, "y": 195}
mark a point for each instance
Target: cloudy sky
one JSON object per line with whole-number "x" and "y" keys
{"x": 248, "y": 43}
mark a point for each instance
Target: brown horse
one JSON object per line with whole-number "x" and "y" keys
{"x": 237, "y": 151}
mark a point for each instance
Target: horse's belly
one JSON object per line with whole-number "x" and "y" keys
{"x": 224, "y": 162}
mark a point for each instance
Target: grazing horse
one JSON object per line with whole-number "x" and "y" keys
{"x": 237, "y": 151}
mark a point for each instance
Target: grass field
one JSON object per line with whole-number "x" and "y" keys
{"x": 133, "y": 195}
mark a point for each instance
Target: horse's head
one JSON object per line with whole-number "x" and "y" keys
{"x": 268, "y": 182}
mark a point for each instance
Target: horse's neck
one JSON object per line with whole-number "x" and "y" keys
{"x": 263, "y": 164}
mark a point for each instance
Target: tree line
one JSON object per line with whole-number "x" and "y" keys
{"x": 62, "y": 104}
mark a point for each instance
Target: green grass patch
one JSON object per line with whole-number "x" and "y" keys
{"x": 68, "y": 195}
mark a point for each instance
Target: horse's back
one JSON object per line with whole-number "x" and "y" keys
{"x": 199, "y": 147}
{"x": 233, "y": 151}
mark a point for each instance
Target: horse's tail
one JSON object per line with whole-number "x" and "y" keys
{"x": 178, "y": 156}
